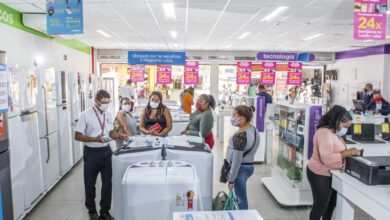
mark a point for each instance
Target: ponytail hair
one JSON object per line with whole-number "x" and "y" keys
{"x": 209, "y": 100}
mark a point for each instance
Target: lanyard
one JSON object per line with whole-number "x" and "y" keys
{"x": 100, "y": 122}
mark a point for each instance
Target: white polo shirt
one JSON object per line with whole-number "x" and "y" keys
{"x": 127, "y": 92}
{"x": 89, "y": 125}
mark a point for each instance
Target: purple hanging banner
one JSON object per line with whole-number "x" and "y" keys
{"x": 260, "y": 116}
{"x": 315, "y": 117}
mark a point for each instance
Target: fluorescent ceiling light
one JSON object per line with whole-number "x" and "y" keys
{"x": 124, "y": 45}
{"x": 228, "y": 46}
{"x": 173, "y": 34}
{"x": 244, "y": 35}
{"x": 275, "y": 13}
{"x": 103, "y": 33}
{"x": 176, "y": 45}
{"x": 313, "y": 37}
{"x": 169, "y": 10}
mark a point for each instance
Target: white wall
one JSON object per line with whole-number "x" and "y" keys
{"x": 368, "y": 69}
{"x": 22, "y": 47}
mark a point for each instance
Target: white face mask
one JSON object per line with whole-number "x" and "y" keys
{"x": 103, "y": 107}
{"x": 154, "y": 104}
{"x": 126, "y": 108}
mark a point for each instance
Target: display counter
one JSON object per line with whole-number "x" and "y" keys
{"x": 381, "y": 149}
{"x": 218, "y": 215}
{"x": 374, "y": 200}
{"x": 369, "y": 118}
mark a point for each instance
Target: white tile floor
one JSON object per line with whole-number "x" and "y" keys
{"x": 66, "y": 200}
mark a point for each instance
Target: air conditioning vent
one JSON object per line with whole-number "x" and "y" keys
{"x": 244, "y": 58}
{"x": 194, "y": 58}
{"x": 110, "y": 58}
{"x": 216, "y": 58}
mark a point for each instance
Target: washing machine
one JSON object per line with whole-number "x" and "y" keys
{"x": 155, "y": 189}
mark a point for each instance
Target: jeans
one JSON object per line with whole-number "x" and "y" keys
{"x": 97, "y": 161}
{"x": 324, "y": 196}
{"x": 243, "y": 175}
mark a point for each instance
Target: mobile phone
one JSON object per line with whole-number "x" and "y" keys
{"x": 106, "y": 139}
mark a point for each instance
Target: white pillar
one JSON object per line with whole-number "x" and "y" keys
{"x": 214, "y": 79}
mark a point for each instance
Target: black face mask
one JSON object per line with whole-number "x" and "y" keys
{"x": 365, "y": 90}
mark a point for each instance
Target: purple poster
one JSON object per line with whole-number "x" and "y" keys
{"x": 315, "y": 117}
{"x": 260, "y": 116}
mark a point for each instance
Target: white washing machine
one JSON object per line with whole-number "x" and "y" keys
{"x": 195, "y": 153}
{"x": 155, "y": 189}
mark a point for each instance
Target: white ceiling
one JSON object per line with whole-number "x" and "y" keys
{"x": 216, "y": 24}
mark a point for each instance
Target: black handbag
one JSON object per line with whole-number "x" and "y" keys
{"x": 226, "y": 166}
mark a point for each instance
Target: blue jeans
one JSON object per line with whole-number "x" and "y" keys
{"x": 243, "y": 175}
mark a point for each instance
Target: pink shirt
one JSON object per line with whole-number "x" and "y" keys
{"x": 326, "y": 152}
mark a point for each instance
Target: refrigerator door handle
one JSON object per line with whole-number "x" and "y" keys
{"x": 45, "y": 106}
{"x": 48, "y": 149}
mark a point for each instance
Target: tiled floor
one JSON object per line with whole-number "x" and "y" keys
{"x": 66, "y": 200}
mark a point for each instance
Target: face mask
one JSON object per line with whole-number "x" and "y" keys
{"x": 198, "y": 106}
{"x": 103, "y": 107}
{"x": 365, "y": 90}
{"x": 235, "y": 121}
{"x": 342, "y": 132}
{"x": 378, "y": 99}
{"x": 126, "y": 108}
{"x": 154, "y": 104}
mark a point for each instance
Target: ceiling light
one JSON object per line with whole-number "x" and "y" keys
{"x": 176, "y": 45}
{"x": 169, "y": 10}
{"x": 228, "y": 46}
{"x": 124, "y": 45}
{"x": 244, "y": 35}
{"x": 275, "y": 13}
{"x": 366, "y": 41}
{"x": 312, "y": 37}
{"x": 173, "y": 34}
{"x": 103, "y": 33}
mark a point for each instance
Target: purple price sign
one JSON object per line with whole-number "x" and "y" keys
{"x": 370, "y": 19}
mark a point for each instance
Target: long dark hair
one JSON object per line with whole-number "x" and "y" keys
{"x": 121, "y": 102}
{"x": 209, "y": 100}
{"x": 332, "y": 119}
{"x": 161, "y": 107}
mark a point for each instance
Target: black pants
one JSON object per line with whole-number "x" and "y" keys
{"x": 324, "y": 197}
{"x": 97, "y": 160}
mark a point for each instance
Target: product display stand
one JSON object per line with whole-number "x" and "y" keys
{"x": 297, "y": 125}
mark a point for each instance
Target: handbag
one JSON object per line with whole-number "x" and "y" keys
{"x": 219, "y": 201}
{"x": 232, "y": 203}
{"x": 210, "y": 140}
{"x": 226, "y": 165}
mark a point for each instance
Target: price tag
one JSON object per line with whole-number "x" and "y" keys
{"x": 358, "y": 119}
{"x": 385, "y": 128}
{"x": 357, "y": 129}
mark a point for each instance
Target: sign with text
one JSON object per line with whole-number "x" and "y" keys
{"x": 164, "y": 74}
{"x": 137, "y": 73}
{"x": 64, "y": 17}
{"x": 4, "y": 91}
{"x": 244, "y": 72}
{"x": 156, "y": 58}
{"x": 191, "y": 72}
{"x": 294, "y": 75}
{"x": 268, "y": 75}
{"x": 370, "y": 19}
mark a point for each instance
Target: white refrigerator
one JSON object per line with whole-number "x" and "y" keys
{"x": 47, "y": 123}
{"x": 64, "y": 123}
{"x": 75, "y": 98}
{"x": 26, "y": 168}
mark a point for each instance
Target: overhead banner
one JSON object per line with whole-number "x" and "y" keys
{"x": 156, "y": 58}
{"x": 191, "y": 73}
{"x": 64, "y": 16}
{"x": 4, "y": 91}
{"x": 270, "y": 56}
{"x": 294, "y": 74}
{"x": 244, "y": 72}
{"x": 370, "y": 19}
{"x": 137, "y": 73}
{"x": 268, "y": 75}
{"x": 164, "y": 74}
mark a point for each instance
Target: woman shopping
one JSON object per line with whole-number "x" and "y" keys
{"x": 202, "y": 120}
{"x": 329, "y": 153}
{"x": 156, "y": 119}
{"x": 124, "y": 121}
{"x": 241, "y": 152}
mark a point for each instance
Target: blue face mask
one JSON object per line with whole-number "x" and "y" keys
{"x": 234, "y": 121}
{"x": 342, "y": 132}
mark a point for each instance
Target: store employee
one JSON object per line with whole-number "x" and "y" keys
{"x": 368, "y": 94}
{"x": 378, "y": 104}
{"x": 95, "y": 129}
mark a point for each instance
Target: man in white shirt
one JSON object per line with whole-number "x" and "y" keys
{"x": 127, "y": 91}
{"x": 95, "y": 129}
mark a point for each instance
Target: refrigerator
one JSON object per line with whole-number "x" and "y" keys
{"x": 63, "y": 123}
{"x": 6, "y": 209}
{"x": 26, "y": 169}
{"x": 75, "y": 103}
{"x": 47, "y": 124}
